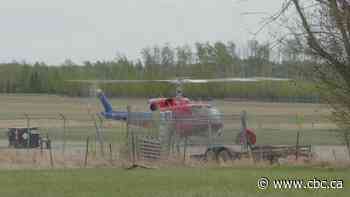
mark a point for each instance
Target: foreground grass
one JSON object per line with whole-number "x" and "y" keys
{"x": 185, "y": 182}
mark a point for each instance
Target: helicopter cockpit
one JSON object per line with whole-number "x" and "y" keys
{"x": 207, "y": 112}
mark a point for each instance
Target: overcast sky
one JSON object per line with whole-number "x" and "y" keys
{"x": 54, "y": 30}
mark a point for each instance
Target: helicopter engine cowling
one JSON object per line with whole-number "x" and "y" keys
{"x": 164, "y": 104}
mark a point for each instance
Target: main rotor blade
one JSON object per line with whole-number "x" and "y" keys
{"x": 252, "y": 79}
{"x": 122, "y": 81}
{"x": 184, "y": 81}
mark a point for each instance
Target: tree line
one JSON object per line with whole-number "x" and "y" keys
{"x": 203, "y": 60}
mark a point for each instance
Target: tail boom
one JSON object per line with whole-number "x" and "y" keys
{"x": 136, "y": 118}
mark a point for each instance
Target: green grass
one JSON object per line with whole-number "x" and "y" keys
{"x": 186, "y": 182}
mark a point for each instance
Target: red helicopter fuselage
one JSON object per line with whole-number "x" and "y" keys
{"x": 189, "y": 117}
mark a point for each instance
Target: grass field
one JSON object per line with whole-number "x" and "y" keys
{"x": 274, "y": 123}
{"x": 183, "y": 182}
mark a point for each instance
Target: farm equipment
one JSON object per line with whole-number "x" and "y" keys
{"x": 26, "y": 138}
{"x": 246, "y": 148}
{"x": 273, "y": 154}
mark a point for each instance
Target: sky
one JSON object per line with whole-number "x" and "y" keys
{"x": 54, "y": 30}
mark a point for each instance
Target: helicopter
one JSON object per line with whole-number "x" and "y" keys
{"x": 186, "y": 117}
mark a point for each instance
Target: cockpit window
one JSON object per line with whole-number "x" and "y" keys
{"x": 206, "y": 112}
{"x": 214, "y": 113}
{"x": 199, "y": 111}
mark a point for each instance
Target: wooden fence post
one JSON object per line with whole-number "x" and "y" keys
{"x": 128, "y": 138}
{"x": 98, "y": 121}
{"x": 297, "y": 146}
{"x": 94, "y": 147}
{"x": 110, "y": 153}
{"x": 185, "y": 150}
{"x": 133, "y": 149}
{"x": 244, "y": 130}
{"x": 50, "y": 151}
{"x": 334, "y": 155}
{"x": 41, "y": 148}
{"x": 64, "y": 133}
{"x": 86, "y": 152}
{"x": 210, "y": 133}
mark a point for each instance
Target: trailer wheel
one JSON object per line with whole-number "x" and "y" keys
{"x": 210, "y": 155}
{"x": 224, "y": 156}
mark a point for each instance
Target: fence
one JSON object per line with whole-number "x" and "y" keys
{"x": 83, "y": 140}
{"x": 76, "y": 140}
{"x": 288, "y": 130}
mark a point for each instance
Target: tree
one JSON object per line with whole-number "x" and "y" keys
{"x": 205, "y": 53}
{"x": 184, "y": 55}
{"x": 231, "y": 48}
{"x": 235, "y": 64}
{"x": 147, "y": 56}
{"x": 258, "y": 59}
{"x": 325, "y": 30}
{"x": 291, "y": 51}
{"x": 253, "y": 48}
{"x": 167, "y": 56}
{"x": 222, "y": 58}
{"x": 184, "y": 58}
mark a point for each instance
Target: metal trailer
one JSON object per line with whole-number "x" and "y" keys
{"x": 247, "y": 149}
{"x": 222, "y": 153}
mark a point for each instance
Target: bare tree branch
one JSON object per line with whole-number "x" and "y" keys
{"x": 341, "y": 26}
